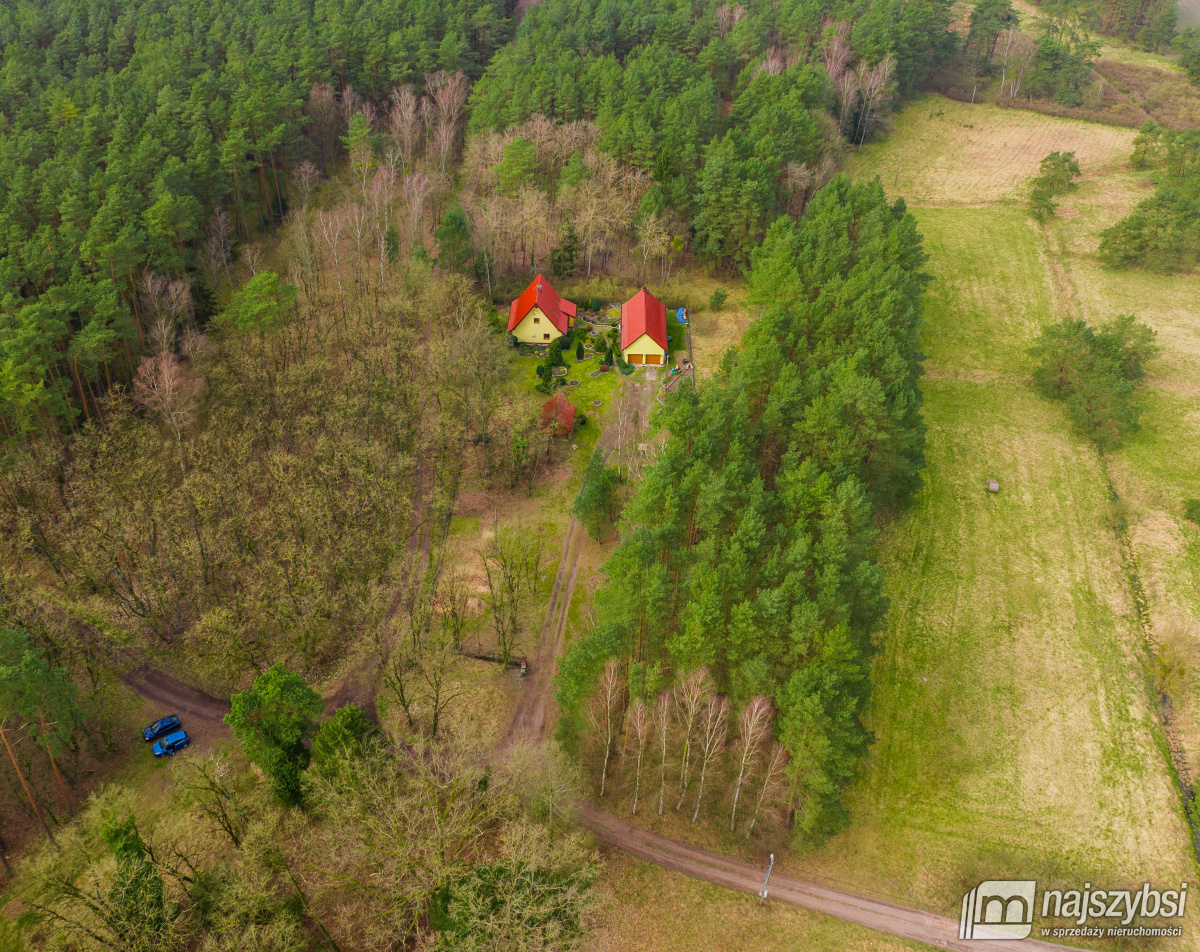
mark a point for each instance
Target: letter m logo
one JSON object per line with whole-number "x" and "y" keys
{"x": 998, "y": 909}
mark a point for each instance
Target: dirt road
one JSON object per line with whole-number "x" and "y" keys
{"x": 938, "y": 931}
{"x": 529, "y": 721}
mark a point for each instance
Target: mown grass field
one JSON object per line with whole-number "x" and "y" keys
{"x": 1015, "y": 729}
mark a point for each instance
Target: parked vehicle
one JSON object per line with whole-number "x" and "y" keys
{"x": 171, "y": 744}
{"x": 164, "y": 725}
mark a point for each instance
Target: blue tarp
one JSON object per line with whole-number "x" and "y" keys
{"x": 681, "y": 315}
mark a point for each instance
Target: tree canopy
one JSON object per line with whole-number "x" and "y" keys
{"x": 746, "y": 548}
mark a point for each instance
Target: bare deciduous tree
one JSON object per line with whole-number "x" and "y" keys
{"x": 639, "y": 721}
{"x": 873, "y": 86}
{"x": 754, "y": 726}
{"x": 164, "y": 388}
{"x": 331, "y": 225}
{"x": 713, "y": 726}
{"x": 218, "y": 243}
{"x": 404, "y": 127}
{"x": 417, "y": 188}
{"x": 690, "y": 693}
{"x": 662, "y": 738}
{"x": 511, "y": 561}
{"x": 772, "y": 777}
{"x": 305, "y": 177}
{"x": 605, "y": 712}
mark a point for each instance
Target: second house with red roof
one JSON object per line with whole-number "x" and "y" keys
{"x": 644, "y": 330}
{"x": 540, "y": 314}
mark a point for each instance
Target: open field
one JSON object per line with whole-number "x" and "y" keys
{"x": 1015, "y": 729}
{"x": 952, "y": 153}
{"x": 648, "y": 909}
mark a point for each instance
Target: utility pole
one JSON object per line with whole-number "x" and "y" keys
{"x": 763, "y": 895}
{"x": 973, "y": 88}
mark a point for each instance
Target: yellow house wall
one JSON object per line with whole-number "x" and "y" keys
{"x": 645, "y": 345}
{"x": 530, "y": 333}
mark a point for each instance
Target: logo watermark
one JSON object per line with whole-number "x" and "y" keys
{"x": 1004, "y": 909}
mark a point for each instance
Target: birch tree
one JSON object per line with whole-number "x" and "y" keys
{"x": 639, "y": 721}
{"x": 713, "y": 727}
{"x": 689, "y": 695}
{"x": 754, "y": 726}
{"x": 605, "y": 711}
{"x": 662, "y": 738}
{"x": 772, "y": 777}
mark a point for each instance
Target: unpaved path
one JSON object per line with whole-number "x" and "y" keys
{"x": 528, "y": 724}
{"x": 916, "y": 924}
{"x": 172, "y": 695}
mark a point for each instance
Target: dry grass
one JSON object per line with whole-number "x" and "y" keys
{"x": 952, "y": 153}
{"x": 1155, "y": 85}
{"x": 652, "y": 910}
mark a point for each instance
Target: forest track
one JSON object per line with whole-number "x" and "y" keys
{"x": 172, "y": 696}
{"x": 528, "y": 724}
{"x": 915, "y": 924}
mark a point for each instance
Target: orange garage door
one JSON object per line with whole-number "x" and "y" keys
{"x": 635, "y": 358}
{"x": 653, "y": 359}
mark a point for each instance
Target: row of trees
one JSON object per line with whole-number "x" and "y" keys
{"x": 676, "y": 746}
{"x": 746, "y": 548}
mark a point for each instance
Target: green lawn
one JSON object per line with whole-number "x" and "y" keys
{"x": 1015, "y": 735}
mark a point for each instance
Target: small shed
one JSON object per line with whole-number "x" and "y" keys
{"x": 558, "y": 414}
{"x": 993, "y": 486}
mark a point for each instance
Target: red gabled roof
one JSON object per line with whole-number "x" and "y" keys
{"x": 643, "y": 314}
{"x": 558, "y": 412}
{"x": 539, "y": 292}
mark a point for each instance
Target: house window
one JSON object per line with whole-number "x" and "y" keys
{"x": 545, "y": 337}
{"x": 537, "y": 320}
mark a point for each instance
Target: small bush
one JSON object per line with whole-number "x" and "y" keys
{"x": 579, "y": 351}
{"x": 718, "y": 299}
{"x": 1095, "y": 372}
{"x": 512, "y": 341}
{"x": 1191, "y": 509}
{"x": 1058, "y": 173}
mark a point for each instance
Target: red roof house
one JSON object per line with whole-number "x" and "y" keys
{"x": 540, "y": 314}
{"x": 558, "y": 413}
{"x": 644, "y": 329}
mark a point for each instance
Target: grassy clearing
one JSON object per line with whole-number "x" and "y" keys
{"x": 1156, "y": 470}
{"x": 652, "y": 910}
{"x": 1015, "y": 732}
{"x": 952, "y": 153}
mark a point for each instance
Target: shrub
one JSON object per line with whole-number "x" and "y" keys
{"x": 1095, "y": 373}
{"x": 579, "y": 351}
{"x": 1191, "y": 509}
{"x": 718, "y": 299}
{"x": 597, "y": 505}
{"x": 1058, "y": 173}
{"x": 511, "y": 340}
{"x": 554, "y": 357}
